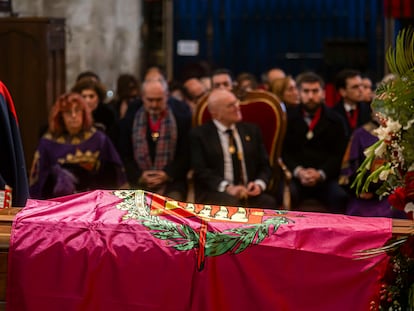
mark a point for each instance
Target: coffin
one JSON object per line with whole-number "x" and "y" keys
{"x": 129, "y": 249}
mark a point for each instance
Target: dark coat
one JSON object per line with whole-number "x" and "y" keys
{"x": 178, "y": 169}
{"x": 364, "y": 115}
{"x": 324, "y": 151}
{"x": 207, "y": 156}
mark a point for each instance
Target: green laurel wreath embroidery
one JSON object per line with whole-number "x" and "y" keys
{"x": 235, "y": 240}
{"x": 183, "y": 237}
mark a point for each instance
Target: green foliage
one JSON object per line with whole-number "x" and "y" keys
{"x": 394, "y": 103}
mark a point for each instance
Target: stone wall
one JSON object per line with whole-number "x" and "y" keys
{"x": 101, "y": 35}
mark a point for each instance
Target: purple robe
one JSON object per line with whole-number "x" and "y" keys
{"x": 362, "y": 139}
{"x": 67, "y": 165}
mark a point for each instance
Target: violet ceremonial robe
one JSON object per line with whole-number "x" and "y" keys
{"x": 67, "y": 165}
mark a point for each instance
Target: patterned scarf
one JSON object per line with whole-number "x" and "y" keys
{"x": 165, "y": 145}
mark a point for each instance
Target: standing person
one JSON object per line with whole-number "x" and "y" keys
{"x": 313, "y": 147}
{"x": 230, "y": 163}
{"x": 160, "y": 143}
{"x": 73, "y": 156}
{"x": 350, "y": 107}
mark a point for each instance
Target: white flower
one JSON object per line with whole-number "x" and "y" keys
{"x": 380, "y": 150}
{"x": 386, "y": 132}
{"x": 393, "y": 126}
{"x": 409, "y": 207}
{"x": 384, "y": 174}
{"x": 368, "y": 152}
{"x": 381, "y": 132}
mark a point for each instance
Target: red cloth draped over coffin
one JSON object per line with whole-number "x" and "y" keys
{"x": 133, "y": 250}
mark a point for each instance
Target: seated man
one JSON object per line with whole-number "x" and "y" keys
{"x": 230, "y": 163}
{"x": 159, "y": 143}
{"x": 313, "y": 147}
{"x": 351, "y": 106}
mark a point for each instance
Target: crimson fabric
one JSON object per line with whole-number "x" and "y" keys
{"x": 78, "y": 253}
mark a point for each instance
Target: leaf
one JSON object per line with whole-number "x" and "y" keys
{"x": 401, "y": 58}
{"x": 245, "y": 242}
{"x": 216, "y": 249}
{"x": 167, "y": 235}
{"x": 185, "y": 246}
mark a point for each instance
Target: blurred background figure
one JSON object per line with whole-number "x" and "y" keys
{"x": 286, "y": 90}
{"x": 88, "y": 75}
{"x": 176, "y": 90}
{"x": 222, "y": 79}
{"x": 245, "y": 82}
{"x": 193, "y": 90}
{"x": 73, "y": 156}
{"x": 271, "y": 75}
{"x": 367, "y": 90}
{"x": 94, "y": 94}
{"x": 127, "y": 90}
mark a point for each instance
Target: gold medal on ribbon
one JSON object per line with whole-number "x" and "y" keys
{"x": 232, "y": 149}
{"x": 309, "y": 135}
{"x": 155, "y": 136}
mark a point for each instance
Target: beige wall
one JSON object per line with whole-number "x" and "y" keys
{"x": 102, "y": 35}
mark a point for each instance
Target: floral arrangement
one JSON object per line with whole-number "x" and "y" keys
{"x": 394, "y": 107}
{"x": 390, "y": 162}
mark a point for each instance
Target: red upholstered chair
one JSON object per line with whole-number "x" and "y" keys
{"x": 265, "y": 110}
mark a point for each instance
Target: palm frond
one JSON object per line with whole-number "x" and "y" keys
{"x": 401, "y": 58}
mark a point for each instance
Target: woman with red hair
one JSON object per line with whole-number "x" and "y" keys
{"x": 72, "y": 156}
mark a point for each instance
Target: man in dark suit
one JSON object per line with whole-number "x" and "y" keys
{"x": 313, "y": 147}
{"x": 231, "y": 166}
{"x": 351, "y": 106}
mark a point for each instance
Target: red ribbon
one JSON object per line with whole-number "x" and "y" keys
{"x": 352, "y": 118}
{"x": 155, "y": 125}
{"x": 315, "y": 120}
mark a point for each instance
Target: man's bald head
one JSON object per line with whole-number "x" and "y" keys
{"x": 224, "y": 107}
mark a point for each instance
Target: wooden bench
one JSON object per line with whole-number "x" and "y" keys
{"x": 6, "y": 220}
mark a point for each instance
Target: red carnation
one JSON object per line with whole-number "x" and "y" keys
{"x": 398, "y": 198}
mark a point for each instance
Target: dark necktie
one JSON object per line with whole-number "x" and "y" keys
{"x": 234, "y": 153}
